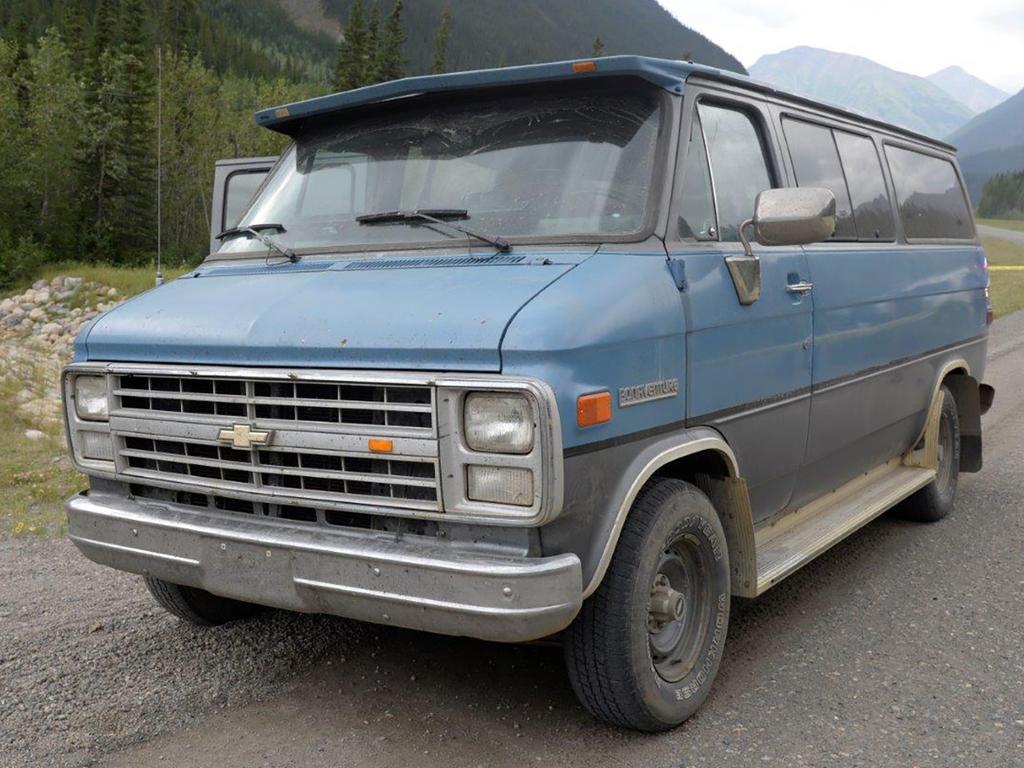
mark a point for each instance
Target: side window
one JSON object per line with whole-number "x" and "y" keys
{"x": 240, "y": 189}
{"x": 816, "y": 164}
{"x": 697, "y": 206}
{"x": 931, "y": 201}
{"x": 738, "y": 167}
{"x": 872, "y": 211}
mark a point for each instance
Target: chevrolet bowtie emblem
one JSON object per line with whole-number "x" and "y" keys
{"x": 243, "y": 436}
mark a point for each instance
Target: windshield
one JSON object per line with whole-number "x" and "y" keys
{"x": 566, "y": 163}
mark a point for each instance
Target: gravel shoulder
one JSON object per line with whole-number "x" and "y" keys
{"x": 900, "y": 647}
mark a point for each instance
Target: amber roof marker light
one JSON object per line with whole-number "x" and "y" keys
{"x": 582, "y": 67}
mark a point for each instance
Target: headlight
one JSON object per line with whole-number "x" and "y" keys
{"x": 91, "y": 402}
{"x": 499, "y": 423}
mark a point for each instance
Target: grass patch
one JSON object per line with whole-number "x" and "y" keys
{"x": 1007, "y": 291}
{"x": 35, "y": 475}
{"x": 1017, "y": 224}
{"x": 1003, "y": 252}
{"x": 127, "y": 280}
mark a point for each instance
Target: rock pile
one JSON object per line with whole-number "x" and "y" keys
{"x": 37, "y": 330}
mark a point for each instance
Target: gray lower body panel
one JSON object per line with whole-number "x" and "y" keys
{"x": 407, "y": 581}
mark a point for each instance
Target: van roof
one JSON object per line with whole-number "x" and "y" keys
{"x": 665, "y": 73}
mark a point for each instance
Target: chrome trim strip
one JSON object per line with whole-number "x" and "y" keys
{"x": 424, "y": 602}
{"x": 81, "y": 541}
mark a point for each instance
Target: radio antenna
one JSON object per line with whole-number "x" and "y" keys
{"x": 159, "y": 161}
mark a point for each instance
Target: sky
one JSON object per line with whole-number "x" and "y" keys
{"x": 985, "y": 37}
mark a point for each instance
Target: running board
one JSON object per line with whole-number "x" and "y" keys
{"x": 791, "y": 541}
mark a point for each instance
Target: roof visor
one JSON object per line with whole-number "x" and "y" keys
{"x": 670, "y": 75}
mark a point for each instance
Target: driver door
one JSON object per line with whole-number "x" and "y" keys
{"x": 748, "y": 364}
{"x": 235, "y": 183}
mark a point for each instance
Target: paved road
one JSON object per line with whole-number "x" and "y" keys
{"x": 1013, "y": 235}
{"x": 903, "y": 646}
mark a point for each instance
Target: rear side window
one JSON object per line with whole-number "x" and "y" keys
{"x": 872, "y": 210}
{"x": 931, "y": 201}
{"x": 816, "y": 164}
{"x": 848, "y": 165}
{"x": 739, "y": 171}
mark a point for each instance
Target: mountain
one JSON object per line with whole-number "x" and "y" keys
{"x": 857, "y": 83}
{"x": 490, "y": 33}
{"x": 973, "y": 92}
{"x": 991, "y": 143}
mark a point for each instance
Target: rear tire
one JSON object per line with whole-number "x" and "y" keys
{"x": 935, "y": 501}
{"x": 197, "y": 606}
{"x": 646, "y": 645}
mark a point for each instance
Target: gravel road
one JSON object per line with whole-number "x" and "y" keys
{"x": 1013, "y": 235}
{"x": 903, "y": 646}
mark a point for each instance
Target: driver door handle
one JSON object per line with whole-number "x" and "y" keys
{"x": 801, "y": 287}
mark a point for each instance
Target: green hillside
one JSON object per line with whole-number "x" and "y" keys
{"x": 860, "y": 84}
{"x": 991, "y": 143}
{"x": 488, "y": 33}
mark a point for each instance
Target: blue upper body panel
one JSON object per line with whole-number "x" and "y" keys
{"x": 384, "y": 312}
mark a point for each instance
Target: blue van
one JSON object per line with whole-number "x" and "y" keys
{"x": 584, "y": 348}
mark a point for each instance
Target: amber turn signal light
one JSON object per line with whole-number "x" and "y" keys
{"x": 594, "y": 409}
{"x": 378, "y": 445}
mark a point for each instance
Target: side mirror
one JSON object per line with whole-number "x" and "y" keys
{"x": 788, "y": 216}
{"x": 793, "y": 216}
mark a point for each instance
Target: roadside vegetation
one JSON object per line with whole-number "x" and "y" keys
{"x": 35, "y": 474}
{"x": 1007, "y": 290}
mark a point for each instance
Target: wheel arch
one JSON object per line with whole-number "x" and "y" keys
{"x": 705, "y": 460}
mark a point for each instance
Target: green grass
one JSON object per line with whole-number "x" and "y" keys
{"x": 35, "y": 476}
{"x": 1017, "y": 224}
{"x": 1007, "y": 291}
{"x": 127, "y": 280}
{"x": 1003, "y": 252}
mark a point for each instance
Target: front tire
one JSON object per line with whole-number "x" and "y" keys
{"x": 646, "y": 645}
{"x": 935, "y": 501}
{"x": 197, "y": 606}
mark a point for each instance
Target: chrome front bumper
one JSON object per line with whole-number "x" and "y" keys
{"x": 367, "y": 575}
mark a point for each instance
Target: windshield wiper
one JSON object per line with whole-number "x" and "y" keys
{"x": 254, "y": 230}
{"x": 437, "y": 216}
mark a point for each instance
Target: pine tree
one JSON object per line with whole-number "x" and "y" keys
{"x": 350, "y": 68}
{"x": 392, "y": 63}
{"x": 138, "y": 143}
{"x": 598, "y": 48}
{"x": 177, "y": 24}
{"x": 75, "y": 38}
{"x": 444, "y": 30}
{"x": 371, "y": 67}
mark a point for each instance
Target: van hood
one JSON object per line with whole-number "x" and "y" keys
{"x": 395, "y": 312}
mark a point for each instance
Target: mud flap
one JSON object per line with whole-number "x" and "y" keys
{"x": 968, "y": 395}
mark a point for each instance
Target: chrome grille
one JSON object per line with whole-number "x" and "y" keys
{"x": 365, "y": 407}
{"x": 166, "y": 430}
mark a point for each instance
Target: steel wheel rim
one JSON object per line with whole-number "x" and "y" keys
{"x": 679, "y": 608}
